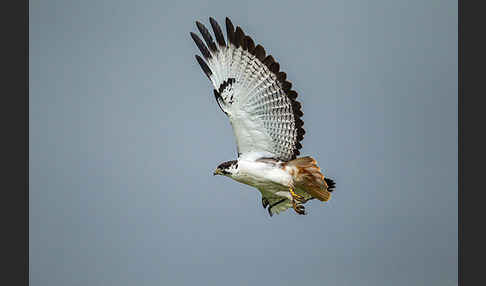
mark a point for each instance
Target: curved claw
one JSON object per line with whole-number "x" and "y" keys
{"x": 265, "y": 203}
{"x": 298, "y": 208}
{"x": 301, "y": 210}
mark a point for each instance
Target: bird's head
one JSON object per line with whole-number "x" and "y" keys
{"x": 227, "y": 168}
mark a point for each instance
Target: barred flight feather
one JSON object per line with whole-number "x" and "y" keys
{"x": 252, "y": 91}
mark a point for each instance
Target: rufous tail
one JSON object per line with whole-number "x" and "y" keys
{"x": 308, "y": 177}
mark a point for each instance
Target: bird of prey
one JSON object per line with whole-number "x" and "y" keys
{"x": 266, "y": 119}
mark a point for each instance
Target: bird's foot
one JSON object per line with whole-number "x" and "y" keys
{"x": 295, "y": 196}
{"x": 297, "y": 201}
{"x": 265, "y": 203}
{"x": 298, "y": 208}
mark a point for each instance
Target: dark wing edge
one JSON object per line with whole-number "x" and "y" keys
{"x": 274, "y": 204}
{"x": 238, "y": 39}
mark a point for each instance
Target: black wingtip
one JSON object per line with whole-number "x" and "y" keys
{"x": 204, "y": 50}
{"x": 274, "y": 67}
{"x": 268, "y": 61}
{"x": 239, "y": 36}
{"x": 250, "y": 45}
{"x": 204, "y": 66}
{"x": 286, "y": 86}
{"x": 259, "y": 52}
{"x": 207, "y": 36}
{"x": 230, "y": 31}
{"x": 218, "y": 33}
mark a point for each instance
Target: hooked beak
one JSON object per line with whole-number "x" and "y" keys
{"x": 217, "y": 172}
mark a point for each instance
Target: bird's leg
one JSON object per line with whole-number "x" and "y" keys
{"x": 298, "y": 207}
{"x": 295, "y": 196}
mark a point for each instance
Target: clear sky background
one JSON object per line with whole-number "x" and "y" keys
{"x": 125, "y": 134}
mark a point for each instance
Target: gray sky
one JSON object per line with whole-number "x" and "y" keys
{"x": 125, "y": 134}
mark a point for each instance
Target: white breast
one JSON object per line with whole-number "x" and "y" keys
{"x": 262, "y": 175}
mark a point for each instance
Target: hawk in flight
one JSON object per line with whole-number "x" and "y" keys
{"x": 266, "y": 119}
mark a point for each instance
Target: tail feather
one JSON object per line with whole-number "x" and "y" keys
{"x": 331, "y": 185}
{"x": 307, "y": 176}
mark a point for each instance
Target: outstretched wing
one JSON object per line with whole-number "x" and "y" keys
{"x": 254, "y": 94}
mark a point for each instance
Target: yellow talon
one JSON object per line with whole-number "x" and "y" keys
{"x": 298, "y": 208}
{"x": 295, "y": 196}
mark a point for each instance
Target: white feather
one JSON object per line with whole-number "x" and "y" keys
{"x": 260, "y": 112}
